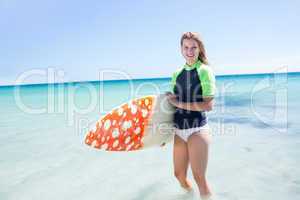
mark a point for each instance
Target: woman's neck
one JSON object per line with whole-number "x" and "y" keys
{"x": 190, "y": 63}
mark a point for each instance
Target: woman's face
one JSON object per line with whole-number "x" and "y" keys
{"x": 190, "y": 50}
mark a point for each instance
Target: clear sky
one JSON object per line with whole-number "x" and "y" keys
{"x": 141, "y": 38}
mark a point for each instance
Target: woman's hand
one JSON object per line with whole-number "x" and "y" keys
{"x": 172, "y": 99}
{"x": 206, "y": 105}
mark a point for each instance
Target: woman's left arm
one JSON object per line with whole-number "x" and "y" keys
{"x": 206, "y": 105}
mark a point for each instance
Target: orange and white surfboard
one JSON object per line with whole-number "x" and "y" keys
{"x": 139, "y": 124}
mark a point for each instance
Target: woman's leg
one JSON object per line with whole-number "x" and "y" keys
{"x": 181, "y": 161}
{"x": 198, "y": 144}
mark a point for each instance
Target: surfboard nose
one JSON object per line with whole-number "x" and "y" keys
{"x": 123, "y": 128}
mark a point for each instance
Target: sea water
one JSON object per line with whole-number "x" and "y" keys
{"x": 254, "y": 153}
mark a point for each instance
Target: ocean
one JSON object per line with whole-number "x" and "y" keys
{"x": 254, "y": 152}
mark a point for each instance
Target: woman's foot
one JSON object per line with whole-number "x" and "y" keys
{"x": 206, "y": 197}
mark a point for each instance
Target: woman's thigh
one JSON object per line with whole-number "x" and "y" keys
{"x": 180, "y": 155}
{"x": 198, "y": 146}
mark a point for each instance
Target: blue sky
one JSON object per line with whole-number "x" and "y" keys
{"x": 141, "y": 38}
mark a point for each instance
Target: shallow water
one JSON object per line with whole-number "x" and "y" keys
{"x": 254, "y": 153}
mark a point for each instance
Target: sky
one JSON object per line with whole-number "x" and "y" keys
{"x": 120, "y": 39}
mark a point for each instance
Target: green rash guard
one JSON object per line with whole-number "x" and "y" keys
{"x": 191, "y": 84}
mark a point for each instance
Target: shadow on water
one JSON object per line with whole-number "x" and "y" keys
{"x": 245, "y": 99}
{"x": 234, "y": 100}
{"x": 249, "y": 121}
{"x": 242, "y": 104}
{"x": 237, "y": 102}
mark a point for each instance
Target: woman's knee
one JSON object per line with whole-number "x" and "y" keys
{"x": 199, "y": 177}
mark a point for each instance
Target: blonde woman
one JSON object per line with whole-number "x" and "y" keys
{"x": 193, "y": 95}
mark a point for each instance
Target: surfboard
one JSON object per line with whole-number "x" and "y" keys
{"x": 138, "y": 124}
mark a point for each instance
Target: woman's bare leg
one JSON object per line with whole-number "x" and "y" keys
{"x": 181, "y": 161}
{"x": 198, "y": 144}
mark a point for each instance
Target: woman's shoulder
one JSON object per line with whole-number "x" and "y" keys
{"x": 178, "y": 71}
{"x": 205, "y": 72}
{"x": 205, "y": 68}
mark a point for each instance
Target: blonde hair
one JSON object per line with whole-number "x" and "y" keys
{"x": 195, "y": 36}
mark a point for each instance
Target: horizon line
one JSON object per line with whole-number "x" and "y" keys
{"x": 138, "y": 79}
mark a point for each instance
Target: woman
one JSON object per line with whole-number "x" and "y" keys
{"x": 194, "y": 89}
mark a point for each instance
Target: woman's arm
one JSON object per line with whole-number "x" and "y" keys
{"x": 206, "y": 105}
